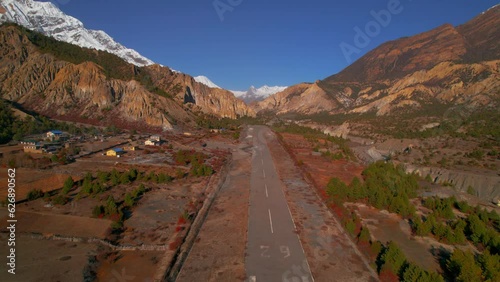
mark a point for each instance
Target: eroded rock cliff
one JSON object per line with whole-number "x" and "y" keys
{"x": 153, "y": 96}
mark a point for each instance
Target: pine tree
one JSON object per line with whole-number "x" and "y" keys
{"x": 68, "y": 184}
{"x": 364, "y": 235}
{"x": 128, "y": 201}
{"x": 393, "y": 258}
{"x": 463, "y": 266}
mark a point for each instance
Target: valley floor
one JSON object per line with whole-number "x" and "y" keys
{"x": 217, "y": 254}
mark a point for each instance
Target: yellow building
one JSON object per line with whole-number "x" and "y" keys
{"x": 37, "y": 149}
{"x": 130, "y": 148}
{"x": 116, "y": 152}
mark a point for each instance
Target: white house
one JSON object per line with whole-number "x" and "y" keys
{"x": 155, "y": 138}
{"x": 150, "y": 142}
{"x": 54, "y": 134}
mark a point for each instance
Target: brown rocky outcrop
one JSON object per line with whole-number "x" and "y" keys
{"x": 453, "y": 65}
{"x": 301, "y": 98}
{"x": 40, "y": 82}
{"x": 219, "y": 102}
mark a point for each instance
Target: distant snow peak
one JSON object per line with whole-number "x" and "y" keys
{"x": 257, "y": 94}
{"x": 265, "y": 90}
{"x": 205, "y": 80}
{"x": 46, "y": 18}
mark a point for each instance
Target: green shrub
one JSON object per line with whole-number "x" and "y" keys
{"x": 364, "y": 235}
{"x": 471, "y": 191}
{"x": 350, "y": 226}
{"x": 59, "y": 200}
{"x": 68, "y": 184}
{"x": 463, "y": 267}
{"x": 34, "y": 194}
{"x": 97, "y": 211}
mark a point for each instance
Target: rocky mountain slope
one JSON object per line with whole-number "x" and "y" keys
{"x": 457, "y": 65}
{"x": 303, "y": 98}
{"x": 72, "y": 83}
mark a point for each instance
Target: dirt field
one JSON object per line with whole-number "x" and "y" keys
{"x": 6, "y": 150}
{"x": 328, "y": 248}
{"x": 46, "y": 260}
{"x": 29, "y": 179}
{"x": 130, "y": 266}
{"x": 219, "y": 252}
{"x": 54, "y": 224}
{"x": 322, "y": 168}
{"x": 154, "y": 220}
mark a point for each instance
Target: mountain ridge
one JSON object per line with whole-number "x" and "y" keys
{"x": 456, "y": 65}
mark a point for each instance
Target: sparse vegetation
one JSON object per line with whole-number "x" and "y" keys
{"x": 386, "y": 187}
{"x": 392, "y": 265}
{"x": 68, "y": 185}
{"x": 314, "y": 135}
{"x": 34, "y": 194}
{"x": 196, "y": 160}
{"x": 59, "y": 199}
{"x": 131, "y": 199}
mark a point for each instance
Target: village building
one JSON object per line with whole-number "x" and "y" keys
{"x": 54, "y": 134}
{"x": 29, "y": 142}
{"x": 33, "y": 148}
{"x": 116, "y": 152}
{"x": 155, "y": 138}
{"x": 150, "y": 142}
{"x": 131, "y": 148}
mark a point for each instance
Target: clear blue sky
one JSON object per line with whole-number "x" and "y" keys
{"x": 273, "y": 42}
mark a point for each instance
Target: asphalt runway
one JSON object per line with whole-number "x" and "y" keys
{"x": 274, "y": 251}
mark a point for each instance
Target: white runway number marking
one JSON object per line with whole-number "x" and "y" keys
{"x": 285, "y": 251}
{"x": 264, "y": 250}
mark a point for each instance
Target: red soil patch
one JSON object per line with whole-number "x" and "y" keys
{"x": 320, "y": 169}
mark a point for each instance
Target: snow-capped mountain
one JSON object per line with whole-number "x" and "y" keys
{"x": 257, "y": 94}
{"x": 47, "y": 19}
{"x": 205, "y": 80}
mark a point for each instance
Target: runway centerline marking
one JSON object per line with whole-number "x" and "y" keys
{"x": 267, "y": 195}
{"x": 271, "y": 221}
{"x": 264, "y": 173}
